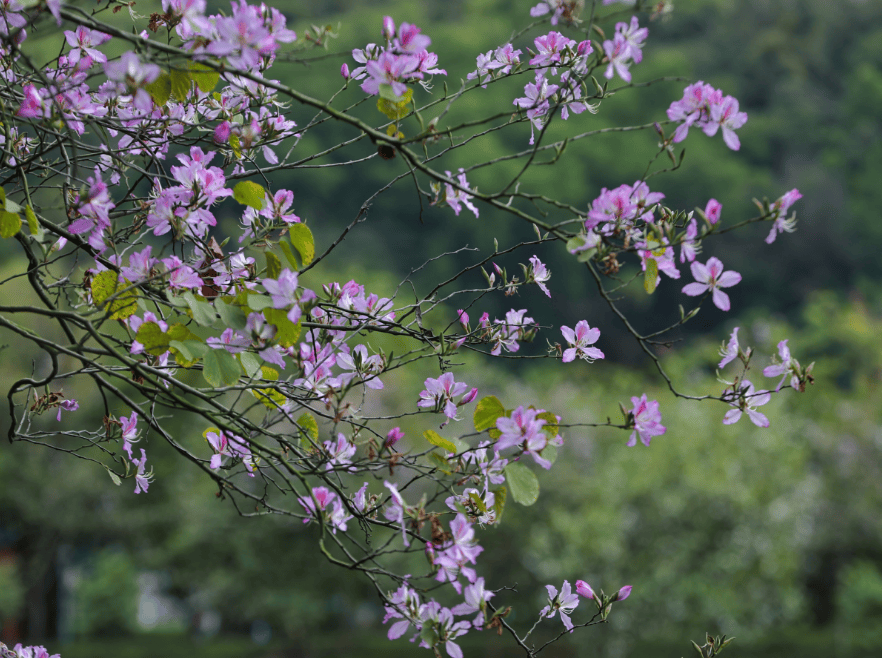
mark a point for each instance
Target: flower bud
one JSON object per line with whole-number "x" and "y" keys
{"x": 468, "y": 397}
{"x": 344, "y": 71}
{"x": 623, "y": 593}
{"x": 584, "y": 589}
{"x": 393, "y": 437}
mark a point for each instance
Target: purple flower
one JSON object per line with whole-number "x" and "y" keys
{"x": 393, "y": 436}
{"x": 390, "y": 69}
{"x": 563, "y": 603}
{"x": 782, "y": 223}
{"x": 439, "y": 394}
{"x": 454, "y": 197}
{"x": 711, "y": 277}
{"x": 66, "y": 405}
{"x": 746, "y": 399}
{"x": 730, "y": 351}
{"x": 129, "y": 432}
{"x": 142, "y": 479}
{"x": 784, "y": 367}
{"x": 712, "y": 211}
{"x": 579, "y": 340}
{"x": 538, "y": 274}
{"x": 623, "y": 593}
{"x": 585, "y": 590}
{"x": 647, "y": 420}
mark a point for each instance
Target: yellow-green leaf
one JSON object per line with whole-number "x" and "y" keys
{"x": 650, "y": 276}
{"x": 551, "y": 428}
{"x": 287, "y": 332}
{"x": 303, "y": 242}
{"x": 10, "y": 224}
{"x": 309, "y": 427}
{"x": 500, "y": 495}
{"x": 289, "y": 255}
{"x": 180, "y": 84}
{"x": 106, "y": 285}
{"x": 522, "y": 483}
{"x": 270, "y": 397}
{"x": 160, "y": 89}
{"x": 249, "y": 193}
{"x": 487, "y": 411}
{"x": 394, "y": 107}
{"x": 204, "y": 77}
{"x": 153, "y": 338}
{"x": 273, "y": 265}
{"x": 437, "y": 440}
{"x": 33, "y": 224}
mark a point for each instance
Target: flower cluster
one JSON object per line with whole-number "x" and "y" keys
{"x": 624, "y": 49}
{"x": 324, "y": 506}
{"x": 705, "y": 107}
{"x": 387, "y": 69}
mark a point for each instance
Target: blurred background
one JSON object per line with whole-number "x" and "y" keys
{"x": 769, "y": 535}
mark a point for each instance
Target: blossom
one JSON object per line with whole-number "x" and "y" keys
{"x": 485, "y": 63}
{"x": 180, "y": 275}
{"x": 780, "y": 208}
{"x": 396, "y": 511}
{"x": 476, "y": 598}
{"x": 439, "y": 394}
{"x": 579, "y": 340}
{"x": 730, "y": 351}
{"x": 329, "y": 509}
{"x": 704, "y": 107}
{"x": 454, "y": 197}
{"x": 711, "y": 277}
{"x": 712, "y": 211}
{"x": 539, "y": 274}
{"x": 339, "y": 452}
{"x": 623, "y": 593}
{"x": 142, "y": 479}
{"x": 129, "y": 432}
{"x": 140, "y": 265}
{"x": 535, "y": 101}
{"x": 393, "y": 436}
{"x": 647, "y": 420}
{"x": 390, "y": 69}
{"x": 746, "y": 398}
{"x": 563, "y": 603}
{"x": 689, "y": 248}
{"x": 32, "y": 103}
{"x": 66, "y": 405}
{"x": 784, "y": 368}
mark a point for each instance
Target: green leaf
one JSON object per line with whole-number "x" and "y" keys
{"x": 259, "y": 302}
{"x": 33, "y": 225}
{"x": 395, "y": 107}
{"x": 287, "y": 332}
{"x": 10, "y": 224}
{"x": 387, "y": 93}
{"x": 549, "y": 452}
{"x": 153, "y": 338}
{"x": 270, "y": 397}
{"x": 440, "y": 463}
{"x": 249, "y": 193}
{"x": 160, "y": 89}
{"x": 203, "y": 312}
{"x": 303, "y": 242}
{"x": 437, "y": 440}
{"x": 204, "y": 77}
{"x": 250, "y": 364}
{"x": 12, "y": 206}
{"x": 114, "y": 477}
{"x": 309, "y": 427}
{"x": 231, "y": 315}
{"x": 180, "y": 84}
{"x": 478, "y": 502}
{"x": 551, "y": 428}
{"x": 499, "y": 502}
{"x": 220, "y": 368}
{"x": 650, "y": 276}
{"x": 523, "y": 483}
{"x": 289, "y": 255}
{"x": 273, "y": 265}
{"x": 104, "y": 286}
{"x": 487, "y": 411}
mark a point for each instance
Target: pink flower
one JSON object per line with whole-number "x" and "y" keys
{"x": 782, "y": 223}
{"x": 563, "y": 603}
{"x": 142, "y": 479}
{"x": 454, "y": 197}
{"x": 711, "y": 277}
{"x": 747, "y": 399}
{"x": 579, "y": 340}
{"x": 439, "y": 394}
{"x": 730, "y": 352}
{"x": 712, "y": 211}
{"x": 784, "y": 368}
{"x": 66, "y": 405}
{"x": 647, "y": 420}
{"x": 390, "y": 69}
{"x": 393, "y": 437}
{"x": 129, "y": 432}
{"x": 31, "y": 104}
{"x": 538, "y": 274}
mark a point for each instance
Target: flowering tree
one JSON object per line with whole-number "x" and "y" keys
{"x": 116, "y": 170}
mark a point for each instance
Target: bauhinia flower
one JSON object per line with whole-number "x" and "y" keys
{"x": 647, "y": 420}
{"x": 439, "y": 394}
{"x": 746, "y": 399}
{"x": 579, "y": 341}
{"x": 563, "y": 603}
{"x": 729, "y": 352}
{"x": 784, "y": 368}
{"x": 538, "y": 274}
{"x": 710, "y": 278}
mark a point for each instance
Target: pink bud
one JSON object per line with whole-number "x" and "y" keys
{"x": 463, "y": 317}
{"x": 713, "y": 210}
{"x": 584, "y": 48}
{"x": 585, "y": 590}
{"x": 388, "y": 28}
{"x": 468, "y": 397}
{"x": 222, "y": 132}
{"x": 393, "y": 437}
{"x": 498, "y": 269}
{"x": 623, "y": 593}
{"x": 344, "y": 71}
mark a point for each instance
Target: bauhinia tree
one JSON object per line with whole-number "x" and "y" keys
{"x": 114, "y": 170}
